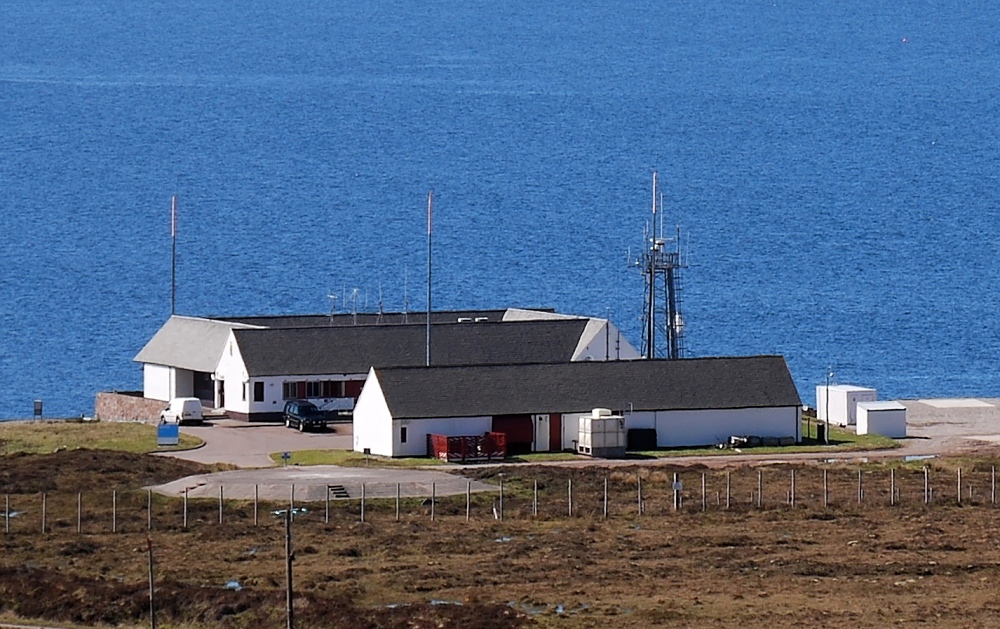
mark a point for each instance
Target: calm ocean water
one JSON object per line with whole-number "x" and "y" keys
{"x": 834, "y": 166}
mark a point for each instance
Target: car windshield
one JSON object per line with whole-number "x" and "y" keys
{"x": 309, "y": 410}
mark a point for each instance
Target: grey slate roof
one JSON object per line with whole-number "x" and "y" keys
{"x": 356, "y": 349}
{"x": 640, "y": 385}
{"x": 188, "y": 343}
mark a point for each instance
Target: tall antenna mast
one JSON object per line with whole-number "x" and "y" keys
{"x": 173, "y": 254}
{"x": 661, "y": 270}
{"x": 430, "y": 231}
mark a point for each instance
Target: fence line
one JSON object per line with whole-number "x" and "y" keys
{"x": 657, "y": 493}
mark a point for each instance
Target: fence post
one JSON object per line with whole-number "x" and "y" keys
{"x": 6, "y": 513}
{"x": 149, "y": 509}
{"x": 569, "y": 489}
{"x": 927, "y": 485}
{"x": 185, "y": 507}
{"x": 44, "y": 512}
{"x": 993, "y": 484}
{"x": 704, "y": 495}
{"x": 220, "y": 504}
{"x": 114, "y": 510}
{"x": 291, "y": 498}
{"x": 605, "y": 497}
{"x": 677, "y": 491}
{"x": 326, "y": 502}
{"x": 826, "y": 489}
{"x": 791, "y": 495}
{"x": 466, "y": 501}
{"x": 959, "y": 486}
{"x": 362, "y": 502}
{"x": 639, "y": 493}
{"x": 255, "y": 498}
{"x": 501, "y": 499}
{"x": 861, "y": 491}
{"x": 433, "y": 499}
{"x": 760, "y": 488}
{"x": 534, "y": 499}
{"x": 79, "y": 512}
{"x": 729, "y": 493}
{"x": 892, "y": 487}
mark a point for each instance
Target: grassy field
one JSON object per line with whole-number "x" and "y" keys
{"x": 42, "y": 437}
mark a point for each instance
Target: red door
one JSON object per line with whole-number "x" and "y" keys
{"x": 555, "y": 432}
{"x": 519, "y": 430}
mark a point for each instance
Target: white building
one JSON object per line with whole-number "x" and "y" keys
{"x": 882, "y": 418}
{"x": 689, "y": 402}
{"x": 843, "y": 402}
{"x": 249, "y": 366}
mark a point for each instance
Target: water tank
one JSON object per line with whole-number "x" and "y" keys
{"x": 602, "y": 434}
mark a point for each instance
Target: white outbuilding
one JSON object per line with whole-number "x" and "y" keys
{"x": 882, "y": 418}
{"x": 690, "y": 402}
{"x": 842, "y": 404}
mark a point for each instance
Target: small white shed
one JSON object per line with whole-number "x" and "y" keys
{"x": 842, "y": 403}
{"x": 882, "y": 418}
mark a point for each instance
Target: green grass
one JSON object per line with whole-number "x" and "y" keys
{"x": 43, "y": 437}
{"x": 349, "y": 458}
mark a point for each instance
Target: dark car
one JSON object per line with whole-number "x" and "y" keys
{"x": 304, "y": 415}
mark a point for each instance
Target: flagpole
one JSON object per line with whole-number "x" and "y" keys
{"x": 173, "y": 254}
{"x": 430, "y": 230}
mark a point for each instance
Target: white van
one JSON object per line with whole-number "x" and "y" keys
{"x": 181, "y": 410}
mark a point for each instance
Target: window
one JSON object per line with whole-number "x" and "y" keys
{"x": 313, "y": 389}
{"x": 258, "y": 391}
{"x": 289, "y": 390}
{"x": 402, "y": 434}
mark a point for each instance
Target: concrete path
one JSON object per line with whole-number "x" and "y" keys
{"x": 312, "y": 483}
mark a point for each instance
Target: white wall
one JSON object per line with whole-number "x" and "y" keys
{"x": 373, "y": 425}
{"x": 702, "y": 428}
{"x": 601, "y": 340}
{"x": 418, "y": 429}
{"x": 843, "y": 403}
{"x": 165, "y": 383}
{"x": 233, "y": 373}
{"x": 886, "y": 422}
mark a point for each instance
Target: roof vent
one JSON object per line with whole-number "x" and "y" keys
{"x": 464, "y": 319}
{"x": 481, "y": 319}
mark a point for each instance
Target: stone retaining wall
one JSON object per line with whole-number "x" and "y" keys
{"x": 127, "y": 406}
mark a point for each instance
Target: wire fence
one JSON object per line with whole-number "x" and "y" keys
{"x": 600, "y": 494}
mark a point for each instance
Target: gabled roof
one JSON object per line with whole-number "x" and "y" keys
{"x": 355, "y": 349}
{"x": 188, "y": 343}
{"x": 639, "y": 385}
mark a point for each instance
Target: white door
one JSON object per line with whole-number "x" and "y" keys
{"x": 541, "y": 423}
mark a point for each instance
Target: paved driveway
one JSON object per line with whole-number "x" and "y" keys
{"x": 249, "y": 445}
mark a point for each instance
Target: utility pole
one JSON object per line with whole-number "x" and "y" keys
{"x": 289, "y": 557}
{"x": 173, "y": 254}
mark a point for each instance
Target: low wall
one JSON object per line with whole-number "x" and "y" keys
{"x": 127, "y": 406}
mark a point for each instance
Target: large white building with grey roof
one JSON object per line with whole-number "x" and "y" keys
{"x": 690, "y": 402}
{"x": 249, "y": 366}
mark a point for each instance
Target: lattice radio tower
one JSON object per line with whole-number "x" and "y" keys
{"x": 661, "y": 264}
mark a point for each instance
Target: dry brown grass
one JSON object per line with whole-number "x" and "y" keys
{"x": 847, "y": 566}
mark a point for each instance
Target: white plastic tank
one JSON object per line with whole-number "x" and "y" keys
{"x": 602, "y": 434}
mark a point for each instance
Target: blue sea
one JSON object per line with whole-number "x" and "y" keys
{"x": 833, "y": 167}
